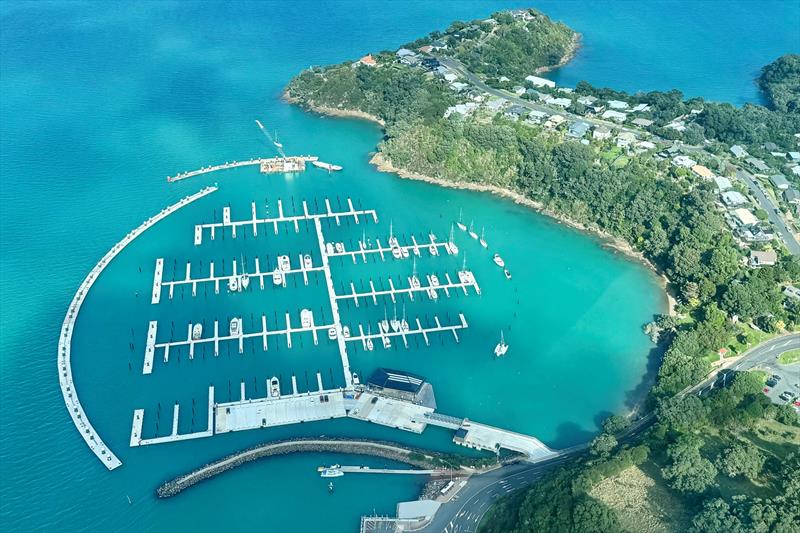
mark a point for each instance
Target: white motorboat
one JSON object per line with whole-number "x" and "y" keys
{"x": 396, "y": 253}
{"x": 235, "y": 326}
{"x": 329, "y": 248}
{"x": 498, "y": 260}
{"x": 274, "y": 387}
{"x": 307, "y": 262}
{"x": 326, "y": 166}
{"x": 277, "y": 277}
{"x": 197, "y": 331}
{"x": 283, "y": 263}
{"x": 460, "y": 224}
{"x": 331, "y": 472}
{"x": 339, "y": 247}
{"x": 370, "y": 345}
{"x": 233, "y": 284}
{"x": 346, "y": 332}
{"x": 507, "y": 273}
{"x": 404, "y": 252}
{"x": 432, "y": 294}
{"x": 434, "y": 280}
{"x": 332, "y": 334}
{"x": 501, "y": 348}
{"x": 387, "y": 343}
{"x": 433, "y": 249}
{"x": 356, "y": 380}
{"x": 306, "y": 318}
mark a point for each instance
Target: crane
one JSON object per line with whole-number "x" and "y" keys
{"x": 278, "y": 146}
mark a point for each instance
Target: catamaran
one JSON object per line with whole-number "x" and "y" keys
{"x": 482, "y": 240}
{"x": 460, "y": 223}
{"x": 501, "y": 348}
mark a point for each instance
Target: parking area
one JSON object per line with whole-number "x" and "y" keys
{"x": 783, "y": 382}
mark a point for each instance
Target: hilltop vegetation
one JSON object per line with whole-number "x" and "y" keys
{"x": 780, "y": 80}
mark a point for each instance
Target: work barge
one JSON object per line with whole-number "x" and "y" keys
{"x": 385, "y": 404}
{"x": 267, "y": 165}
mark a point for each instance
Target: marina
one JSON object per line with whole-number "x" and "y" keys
{"x": 68, "y": 391}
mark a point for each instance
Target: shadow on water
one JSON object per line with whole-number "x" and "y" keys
{"x": 636, "y": 397}
{"x": 569, "y": 434}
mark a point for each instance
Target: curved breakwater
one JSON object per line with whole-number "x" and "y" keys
{"x": 387, "y": 450}
{"x": 71, "y": 400}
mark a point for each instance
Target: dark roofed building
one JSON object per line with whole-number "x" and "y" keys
{"x": 402, "y": 385}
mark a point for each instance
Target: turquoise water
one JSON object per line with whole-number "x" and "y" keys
{"x": 99, "y": 103}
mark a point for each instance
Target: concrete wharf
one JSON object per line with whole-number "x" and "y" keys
{"x": 254, "y": 221}
{"x": 239, "y": 337}
{"x": 68, "y": 391}
{"x": 368, "y": 470}
{"x": 466, "y": 280}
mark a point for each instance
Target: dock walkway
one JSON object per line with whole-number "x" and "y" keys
{"x": 71, "y": 400}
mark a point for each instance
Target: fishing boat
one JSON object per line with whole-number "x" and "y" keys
{"x": 498, "y": 260}
{"x": 482, "y": 240}
{"x": 306, "y": 318}
{"x": 235, "y": 326}
{"x": 387, "y": 343}
{"x": 460, "y": 223}
{"x": 326, "y": 166}
{"x": 274, "y": 387}
{"x": 307, "y": 262}
{"x": 197, "y": 331}
{"x": 472, "y": 232}
{"x": 277, "y": 277}
{"x": 283, "y": 263}
{"x": 332, "y": 334}
{"x": 501, "y": 348}
{"x": 507, "y": 273}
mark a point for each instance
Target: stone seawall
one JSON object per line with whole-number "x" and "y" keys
{"x": 415, "y": 457}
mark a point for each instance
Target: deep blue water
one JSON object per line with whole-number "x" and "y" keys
{"x": 99, "y": 102}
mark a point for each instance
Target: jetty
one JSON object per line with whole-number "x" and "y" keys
{"x": 267, "y": 165}
{"x": 76, "y": 411}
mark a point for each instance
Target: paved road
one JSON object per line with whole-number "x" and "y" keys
{"x": 769, "y": 207}
{"x": 463, "y": 514}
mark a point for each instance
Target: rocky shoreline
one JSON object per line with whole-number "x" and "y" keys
{"x": 419, "y": 458}
{"x": 569, "y": 55}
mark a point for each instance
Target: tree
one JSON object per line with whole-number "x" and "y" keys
{"x": 716, "y": 517}
{"x": 682, "y": 414}
{"x": 688, "y": 471}
{"x": 615, "y": 424}
{"x": 741, "y": 459}
{"x": 603, "y": 444}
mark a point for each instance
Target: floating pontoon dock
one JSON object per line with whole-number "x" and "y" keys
{"x": 74, "y": 407}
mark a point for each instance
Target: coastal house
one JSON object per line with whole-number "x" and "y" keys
{"x": 617, "y": 104}
{"x": 677, "y": 125}
{"x": 642, "y": 122}
{"x": 792, "y": 195}
{"x": 766, "y": 258}
{"x": 504, "y": 79}
{"x": 519, "y": 91}
{"x": 722, "y": 183}
{"x": 587, "y": 100}
{"x": 404, "y": 52}
{"x": 794, "y": 156}
{"x": 439, "y": 45}
{"x": 616, "y": 116}
{"x": 450, "y": 77}
{"x": 461, "y": 109}
{"x": 536, "y": 117}
{"x": 792, "y": 292}
{"x": 683, "y": 161}
{"x": 566, "y": 90}
{"x": 427, "y": 49}
{"x": 745, "y": 217}
{"x": 771, "y": 147}
{"x": 459, "y": 86}
{"x": 515, "y": 112}
{"x": 601, "y": 133}
{"x": 496, "y": 104}
{"x": 738, "y": 151}
{"x": 703, "y": 171}
{"x": 755, "y": 233}
{"x": 733, "y": 198}
{"x": 796, "y": 170}
{"x": 640, "y": 108}
{"x": 578, "y": 129}
{"x": 757, "y": 164}
{"x": 625, "y": 139}
{"x": 554, "y": 121}
{"x": 536, "y": 81}
{"x": 779, "y": 181}
{"x": 559, "y": 102}
{"x": 645, "y": 145}
{"x": 367, "y": 60}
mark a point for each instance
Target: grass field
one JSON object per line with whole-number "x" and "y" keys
{"x": 790, "y": 357}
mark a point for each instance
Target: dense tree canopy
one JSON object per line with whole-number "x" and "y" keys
{"x": 780, "y": 80}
